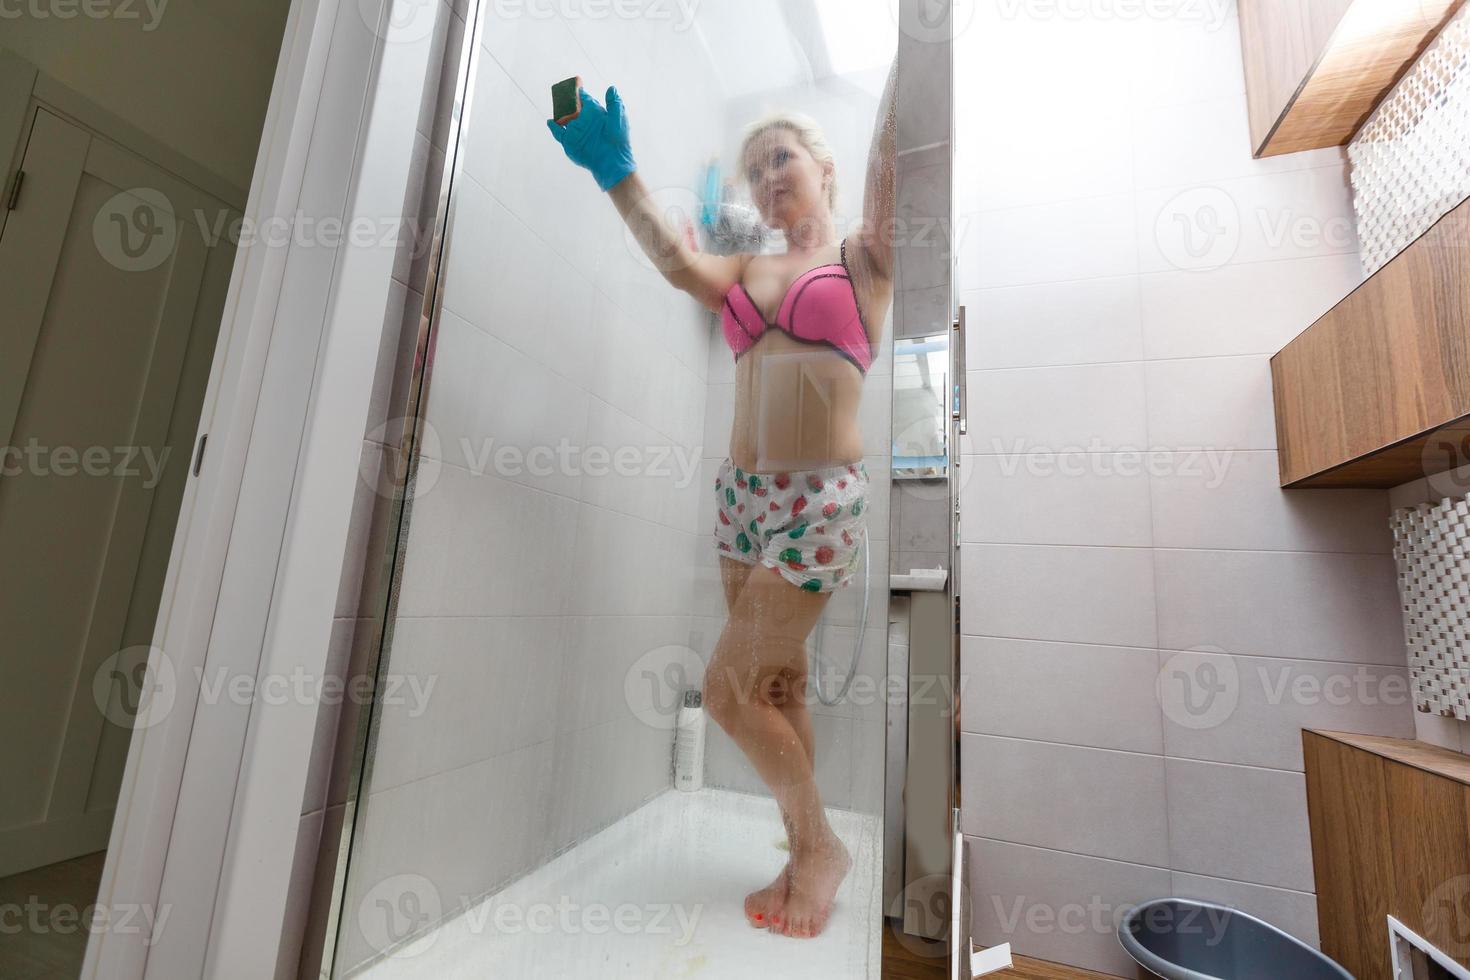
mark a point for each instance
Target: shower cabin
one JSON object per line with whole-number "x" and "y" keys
{"x": 547, "y": 591}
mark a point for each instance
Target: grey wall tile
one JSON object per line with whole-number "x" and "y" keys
{"x": 1061, "y": 692}
{"x": 1305, "y": 606}
{"x": 1083, "y": 595}
{"x": 1086, "y": 801}
{"x": 1232, "y": 499}
{"x": 1057, "y": 906}
{"x": 1251, "y": 710}
{"x": 1240, "y": 823}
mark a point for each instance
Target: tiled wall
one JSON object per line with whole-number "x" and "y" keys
{"x": 849, "y": 736}
{"x": 1148, "y": 620}
{"x": 527, "y": 599}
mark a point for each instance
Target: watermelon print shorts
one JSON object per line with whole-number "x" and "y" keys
{"x": 807, "y": 526}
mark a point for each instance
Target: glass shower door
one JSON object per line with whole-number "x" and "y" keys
{"x": 606, "y": 506}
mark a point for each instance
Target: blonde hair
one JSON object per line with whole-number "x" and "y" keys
{"x": 808, "y": 133}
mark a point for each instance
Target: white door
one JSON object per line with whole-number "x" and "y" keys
{"x": 113, "y": 287}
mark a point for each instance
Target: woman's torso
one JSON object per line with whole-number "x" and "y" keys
{"x": 796, "y": 403}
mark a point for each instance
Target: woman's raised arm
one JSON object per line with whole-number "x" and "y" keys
{"x": 598, "y": 141}
{"x": 875, "y": 240}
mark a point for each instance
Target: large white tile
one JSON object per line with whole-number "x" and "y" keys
{"x": 1080, "y": 322}
{"x": 1255, "y": 308}
{"x": 633, "y": 470}
{"x": 1056, "y": 906}
{"x": 459, "y": 690}
{"x": 1082, "y": 595}
{"x": 1083, "y": 150}
{"x": 1303, "y": 606}
{"x": 1027, "y": 792}
{"x": 1251, "y": 710}
{"x": 1206, "y": 225}
{"x": 1236, "y": 822}
{"x": 1211, "y": 402}
{"x": 494, "y": 410}
{"x": 1081, "y": 239}
{"x": 1186, "y": 51}
{"x": 527, "y": 296}
{"x": 1233, "y": 500}
{"x": 483, "y": 546}
{"x": 626, "y": 666}
{"x": 1090, "y": 408}
{"x": 1067, "y": 498}
{"x": 1292, "y": 911}
{"x": 1061, "y": 692}
{"x": 1206, "y": 140}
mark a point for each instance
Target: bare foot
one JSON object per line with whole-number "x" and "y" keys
{"x": 815, "y": 876}
{"x": 761, "y": 907}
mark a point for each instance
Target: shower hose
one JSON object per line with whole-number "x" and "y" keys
{"x": 857, "y": 646}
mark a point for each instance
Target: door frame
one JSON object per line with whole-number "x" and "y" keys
{"x": 207, "y": 815}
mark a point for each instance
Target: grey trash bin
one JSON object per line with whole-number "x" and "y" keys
{"x": 1180, "y": 939}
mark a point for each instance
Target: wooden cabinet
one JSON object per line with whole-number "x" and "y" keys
{"x": 1377, "y": 392}
{"x": 1315, "y": 69}
{"x": 1390, "y": 821}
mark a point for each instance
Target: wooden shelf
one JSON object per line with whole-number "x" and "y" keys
{"x": 1316, "y": 69}
{"x": 1408, "y": 752}
{"x": 1377, "y": 392}
{"x": 1389, "y": 820}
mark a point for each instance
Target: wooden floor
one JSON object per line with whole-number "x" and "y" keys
{"x": 913, "y": 959}
{"x": 49, "y": 954}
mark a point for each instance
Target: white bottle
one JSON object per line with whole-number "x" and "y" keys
{"x": 689, "y": 744}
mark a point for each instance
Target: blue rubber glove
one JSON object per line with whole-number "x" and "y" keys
{"x": 598, "y": 139}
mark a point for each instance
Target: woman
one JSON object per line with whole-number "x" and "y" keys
{"x": 804, "y": 327}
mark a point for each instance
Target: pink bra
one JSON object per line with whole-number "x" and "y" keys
{"x": 820, "y": 308}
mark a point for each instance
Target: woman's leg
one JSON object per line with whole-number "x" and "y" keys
{"x": 749, "y": 689}
{"x": 766, "y": 904}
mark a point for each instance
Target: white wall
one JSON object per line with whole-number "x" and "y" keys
{"x": 1088, "y": 147}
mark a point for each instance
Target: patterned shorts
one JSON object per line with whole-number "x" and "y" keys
{"x": 807, "y": 526}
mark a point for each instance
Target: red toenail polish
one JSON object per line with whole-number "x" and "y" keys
{"x": 758, "y": 917}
